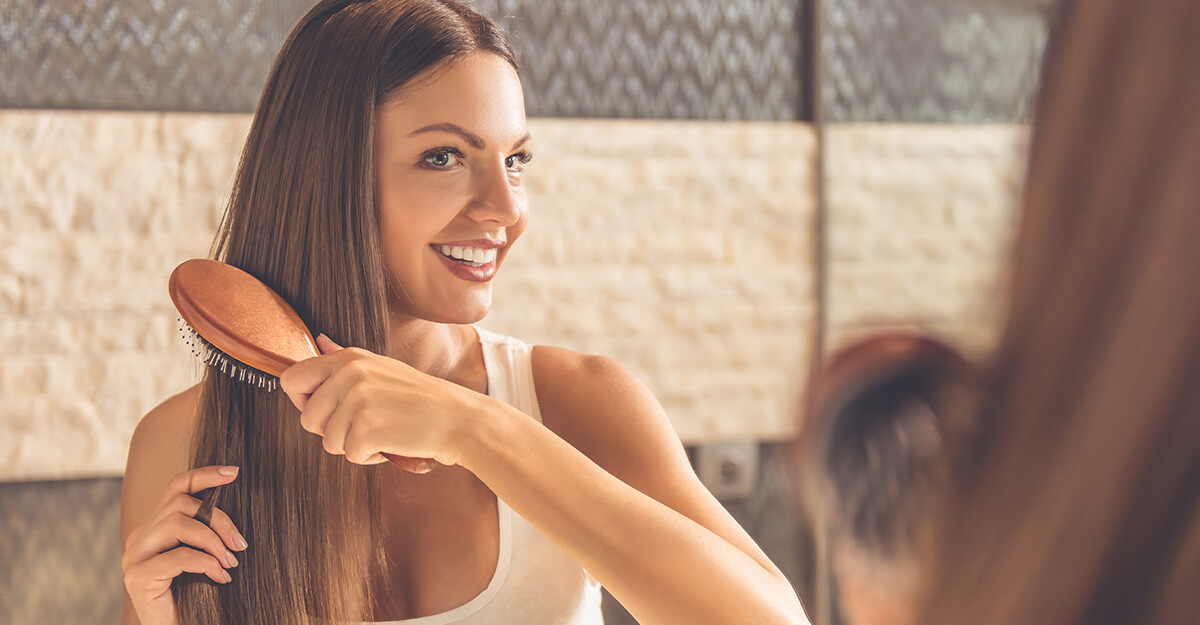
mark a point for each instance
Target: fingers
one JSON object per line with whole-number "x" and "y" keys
{"x": 160, "y": 570}
{"x": 303, "y": 378}
{"x": 224, "y": 527}
{"x": 319, "y": 408}
{"x": 331, "y": 415}
{"x": 175, "y": 530}
{"x": 326, "y": 344}
{"x": 351, "y": 398}
{"x": 196, "y": 480}
{"x": 174, "y": 542}
{"x": 188, "y": 506}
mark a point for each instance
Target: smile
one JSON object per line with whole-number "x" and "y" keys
{"x": 469, "y": 256}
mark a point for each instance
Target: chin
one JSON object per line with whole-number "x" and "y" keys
{"x": 463, "y": 314}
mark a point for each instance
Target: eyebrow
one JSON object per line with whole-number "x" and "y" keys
{"x": 471, "y": 138}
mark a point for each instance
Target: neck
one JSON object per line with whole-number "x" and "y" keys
{"x": 438, "y": 349}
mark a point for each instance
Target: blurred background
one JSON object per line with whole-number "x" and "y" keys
{"x": 723, "y": 191}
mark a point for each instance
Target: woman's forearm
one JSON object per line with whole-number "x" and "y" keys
{"x": 662, "y": 566}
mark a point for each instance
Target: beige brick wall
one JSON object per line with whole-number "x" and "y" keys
{"x": 683, "y": 249}
{"x": 919, "y": 220}
{"x": 95, "y": 210}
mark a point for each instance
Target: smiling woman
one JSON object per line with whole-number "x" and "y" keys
{"x": 380, "y": 192}
{"x": 449, "y": 192}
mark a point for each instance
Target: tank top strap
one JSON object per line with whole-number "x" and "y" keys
{"x": 509, "y": 366}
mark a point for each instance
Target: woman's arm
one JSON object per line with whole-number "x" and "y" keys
{"x": 636, "y": 518}
{"x": 608, "y": 479}
{"x": 159, "y": 537}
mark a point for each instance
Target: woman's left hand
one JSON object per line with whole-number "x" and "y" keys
{"x": 365, "y": 405}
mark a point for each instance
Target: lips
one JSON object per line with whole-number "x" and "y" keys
{"x": 470, "y": 256}
{"x": 474, "y": 261}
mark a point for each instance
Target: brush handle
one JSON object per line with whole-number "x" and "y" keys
{"x": 412, "y": 465}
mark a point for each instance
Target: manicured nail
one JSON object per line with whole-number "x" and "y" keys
{"x": 238, "y": 541}
{"x": 228, "y": 471}
{"x": 228, "y": 577}
{"x": 230, "y": 559}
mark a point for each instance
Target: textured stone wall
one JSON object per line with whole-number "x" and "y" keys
{"x": 918, "y": 224}
{"x": 683, "y": 249}
{"x": 95, "y": 211}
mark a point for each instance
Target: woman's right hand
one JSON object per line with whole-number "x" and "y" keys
{"x": 173, "y": 542}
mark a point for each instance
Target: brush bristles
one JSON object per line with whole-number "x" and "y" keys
{"x": 217, "y": 359}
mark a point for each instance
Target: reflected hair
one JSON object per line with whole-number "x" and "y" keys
{"x": 890, "y": 437}
{"x": 1087, "y": 504}
{"x": 303, "y": 218}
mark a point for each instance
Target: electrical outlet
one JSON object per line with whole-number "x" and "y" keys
{"x": 728, "y": 470}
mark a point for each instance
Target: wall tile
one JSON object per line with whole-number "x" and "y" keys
{"x": 685, "y": 250}
{"x": 918, "y": 224}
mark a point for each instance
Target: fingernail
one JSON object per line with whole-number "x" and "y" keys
{"x": 228, "y": 471}
{"x": 228, "y": 577}
{"x": 238, "y": 541}
{"x": 229, "y": 557}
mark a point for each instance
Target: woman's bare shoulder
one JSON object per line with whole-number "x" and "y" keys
{"x": 603, "y": 410}
{"x": 159, "y": 449}
{"x": 567, "y": 381}
{"x": 168, "y": 426}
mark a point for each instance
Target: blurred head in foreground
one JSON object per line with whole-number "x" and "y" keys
{"x": 888, "y": 440}
{"x": 1086, "y": 507}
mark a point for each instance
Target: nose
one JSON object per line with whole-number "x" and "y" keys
{"x": 497, "y": 198}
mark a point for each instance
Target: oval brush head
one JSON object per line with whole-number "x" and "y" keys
{"x": 246, "y": 329}
{"x": 240, "y": 316}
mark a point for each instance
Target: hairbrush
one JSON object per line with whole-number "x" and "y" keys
{"x": 243, "y": 328}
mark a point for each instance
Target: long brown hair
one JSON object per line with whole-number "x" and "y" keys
{"x": 1086, "y": 506}
{"x": 303, "y": 218}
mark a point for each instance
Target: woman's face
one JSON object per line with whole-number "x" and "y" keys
{"x": 448, "y": 156}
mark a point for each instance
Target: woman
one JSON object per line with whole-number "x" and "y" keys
{"x": 1086, "y": 506}
{"x": 380, "y": 192}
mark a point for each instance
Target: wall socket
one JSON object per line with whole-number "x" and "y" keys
{"x": 728, "y": 470}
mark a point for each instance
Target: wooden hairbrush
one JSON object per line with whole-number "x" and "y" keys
{"x": 242, "y": 327}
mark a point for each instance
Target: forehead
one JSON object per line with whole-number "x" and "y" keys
{"x": 480, "y": 92}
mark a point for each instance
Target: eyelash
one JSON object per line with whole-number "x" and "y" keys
{"x": 522, "y": 158}
{"x": 428, "y": 156}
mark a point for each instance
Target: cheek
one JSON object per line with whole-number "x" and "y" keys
{"x": 399, "y": 242}
{"x": 407, "y": 226}
{"x": 514, "y": 231}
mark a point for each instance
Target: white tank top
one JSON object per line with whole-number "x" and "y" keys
{"x": 536, "y": 582}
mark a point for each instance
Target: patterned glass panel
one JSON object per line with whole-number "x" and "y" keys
{"x": 170, "y": 55}
{"x": 932, "y": 60}
{"x": 693, "y": 59}
{"x": 684, "y": 59}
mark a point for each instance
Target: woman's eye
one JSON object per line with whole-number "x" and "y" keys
{"x": 441, "y": 159}
{"x": 517, "y": 162}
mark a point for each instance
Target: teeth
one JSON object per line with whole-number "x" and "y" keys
{"x": 474, "y": 255}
